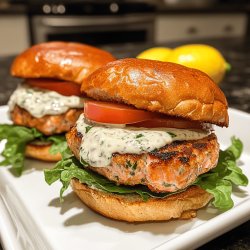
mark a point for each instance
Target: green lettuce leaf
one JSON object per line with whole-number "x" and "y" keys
{"x": 218, "y": 181}
{"x": 17, "y": 138}
{"x": 59, "y": 143}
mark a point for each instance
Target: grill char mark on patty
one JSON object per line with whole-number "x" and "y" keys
{"x": 165, "y": 156}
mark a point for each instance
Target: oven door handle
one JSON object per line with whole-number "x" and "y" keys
{"x": 93, "y": 21}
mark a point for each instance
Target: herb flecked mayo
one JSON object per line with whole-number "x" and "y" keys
{"x": 40, "y": 102}
{"x": 100, "y": 142}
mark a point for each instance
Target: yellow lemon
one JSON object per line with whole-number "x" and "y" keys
{"x": 157, "y": 53}
{"x": 202, "y": 57}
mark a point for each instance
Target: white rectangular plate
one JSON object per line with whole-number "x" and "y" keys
{"x": 31, "y": 216}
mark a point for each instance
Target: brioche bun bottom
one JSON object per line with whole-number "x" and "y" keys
{"x": 132, "y": 208}
{"x": 41, "y": 152}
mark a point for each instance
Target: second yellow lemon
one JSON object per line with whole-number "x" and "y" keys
{"x": 202, "y": 57}
{"x": 156, "y": 53}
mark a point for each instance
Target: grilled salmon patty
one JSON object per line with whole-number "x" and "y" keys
{"x": 48, "y": 124}
{"x": 168, "y": 169}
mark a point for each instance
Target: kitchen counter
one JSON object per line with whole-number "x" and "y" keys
{"x": 236, "y": 87}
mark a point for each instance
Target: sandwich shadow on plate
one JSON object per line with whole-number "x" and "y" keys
{"x": 87, "y": 216}
{"x": 239, "y": 192}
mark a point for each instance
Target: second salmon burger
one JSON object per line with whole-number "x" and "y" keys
{"x": 48, "y": 101}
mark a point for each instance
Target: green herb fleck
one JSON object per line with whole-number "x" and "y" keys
{"x": 87, "y": 129}
{"x": 165, "y": 184}
{"x": 130, "y": 165}
{"x": 172, "y": 134}
{"x": 139, "y": 136}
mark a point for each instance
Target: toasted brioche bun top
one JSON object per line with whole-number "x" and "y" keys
{"x": 163, "y": 87}
{"x": 60, "y": 60}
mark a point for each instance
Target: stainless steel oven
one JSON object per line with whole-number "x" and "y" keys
{"x": 95, "y": 30}
{"x": 99, "y": 23}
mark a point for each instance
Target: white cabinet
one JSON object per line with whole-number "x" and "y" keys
{"x": 14, "y": 34}
{"x": 174, "y": 27}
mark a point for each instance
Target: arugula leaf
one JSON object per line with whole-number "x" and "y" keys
{"x": 17, "y": 138}
{"x": 59, "y": 144}
{"x": 219, "y": 180}
{"x": 52, "y": 175}
{"x": 236, "y": 148}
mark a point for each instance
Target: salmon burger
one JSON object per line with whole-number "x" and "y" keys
{"x": 48, "y": 102}
{"x": 144, "y": 148}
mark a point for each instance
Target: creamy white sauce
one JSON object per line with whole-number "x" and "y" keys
{"x": 99, "y": 143}
{"x": 39, "y": 102}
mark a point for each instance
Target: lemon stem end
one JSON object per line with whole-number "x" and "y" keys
{"x": 228, "y": 67}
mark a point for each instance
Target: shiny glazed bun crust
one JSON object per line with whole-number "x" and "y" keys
{"x": 163, "y": 87}
{"x": 60, "y": 60}
{"x": 41, "y": 152}
{"x": 132, "y": 208}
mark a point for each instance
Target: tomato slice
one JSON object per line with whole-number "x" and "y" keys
{"x": 62, "y": 87}
{"x": 105, "y": 112}
{"x": 169, "y": 122}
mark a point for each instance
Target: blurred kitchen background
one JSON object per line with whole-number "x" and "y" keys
{"x": 119, "y": 25}
{"x": 127, "y": 27}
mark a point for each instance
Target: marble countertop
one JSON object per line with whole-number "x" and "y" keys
{"x": 236, "y": 87}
